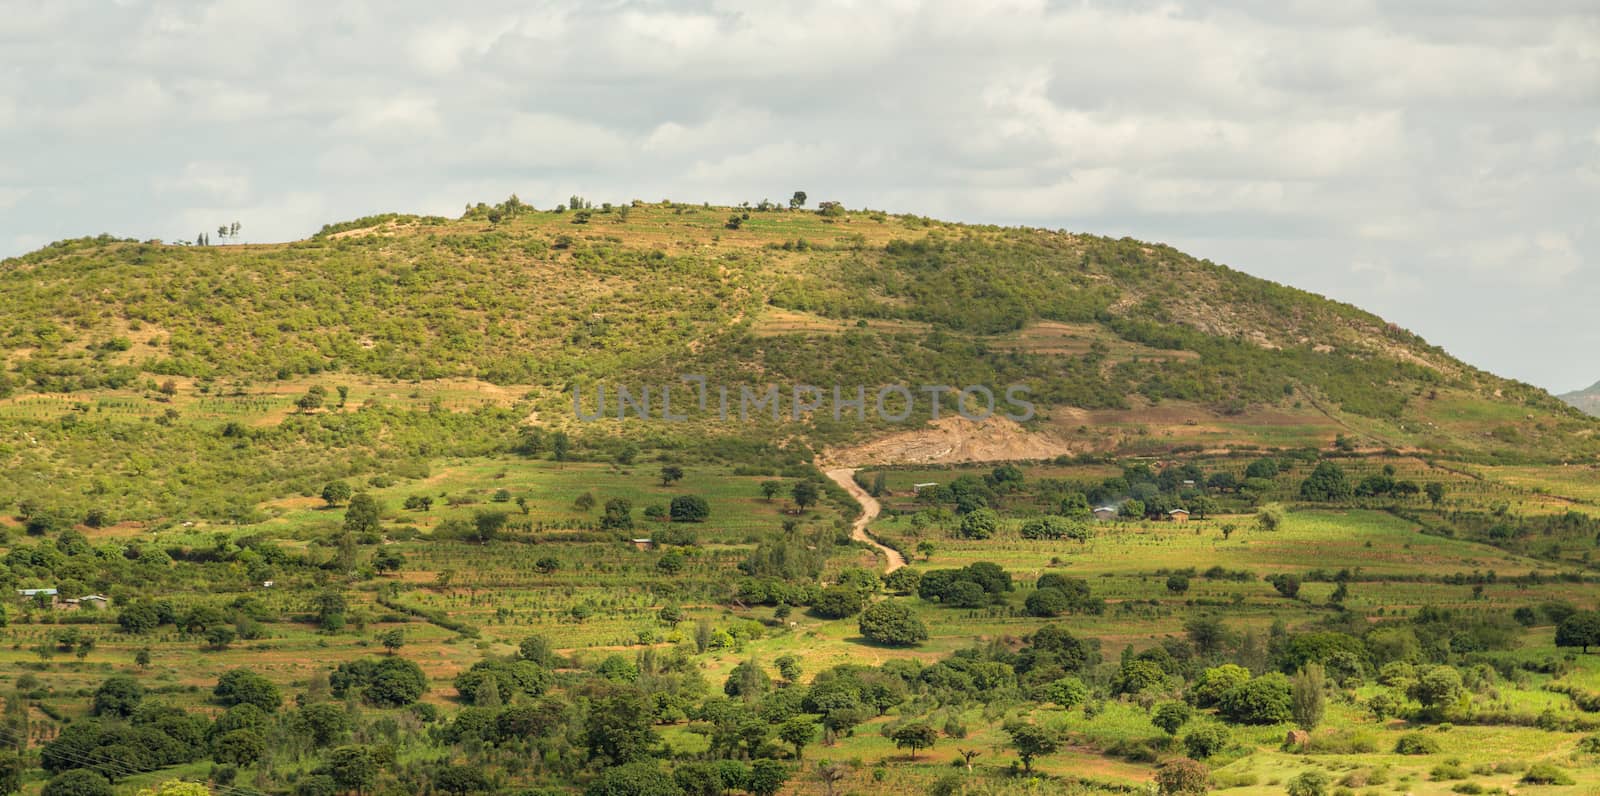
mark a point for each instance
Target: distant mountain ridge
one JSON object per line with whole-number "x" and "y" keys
{"x": 1586, "y": 399}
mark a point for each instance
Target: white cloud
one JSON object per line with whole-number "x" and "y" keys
{"x": 218, "y": 182}
{"x": 1433, "y": 161}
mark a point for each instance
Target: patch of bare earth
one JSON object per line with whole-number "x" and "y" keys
{"x": 951, "y": 440}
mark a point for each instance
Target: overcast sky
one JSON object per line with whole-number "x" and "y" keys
{"x": 1435, "y": 161}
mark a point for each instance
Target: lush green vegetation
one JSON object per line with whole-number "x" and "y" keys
{"x": 326, "y": 523}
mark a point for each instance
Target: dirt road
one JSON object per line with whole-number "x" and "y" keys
{"x": 845, "y": 477}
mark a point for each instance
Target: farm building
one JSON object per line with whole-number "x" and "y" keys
{"x": 1178, "y": 515}
{"x": 93, "y": 601}
{"x": 644, "y": 544}
{"x": 922, "y": 486}
{"x": 1105, "y": 513}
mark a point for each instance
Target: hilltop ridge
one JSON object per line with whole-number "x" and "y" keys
{"x": 1125, "y": 346}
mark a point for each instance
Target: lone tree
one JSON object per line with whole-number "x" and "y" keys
{"x": 1030, "y": 741}
{"x": 914, "y": 736}
{"x": 670, "y": 474}
{"x": 393, "y": 639}
{"x": 1307, "y": 692}
{"x": 798, "y": 200}
{"x": 1579, "y": 630}
{"x": 690, "y": 508}
{"x": 770, "y": 489}
{"x": 336, "y": 492}
{"x": 362, "y": 514}
{"x": 804, "y": 494}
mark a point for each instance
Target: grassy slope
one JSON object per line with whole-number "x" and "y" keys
{"x": 534, "y": 302}
{"x": 450, "y": 334}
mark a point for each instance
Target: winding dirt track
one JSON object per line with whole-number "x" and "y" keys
{"x": 845, "y": 477}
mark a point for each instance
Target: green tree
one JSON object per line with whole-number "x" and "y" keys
{"x": 618, "y": 515}
{"x": 804, "y": 493}
{"x": 1309, "y": 783}
{"x": 1435, "y": 491}
{"x": 766, "y": 777}
{"x": 218, "y": 638}
{"x": 770, "y": 489}
{"x": 638, "y": 778}
{"x": 1262, "y": 700}
{"x": 798, "y": 200}
{"x": 117, "y": 696}
{"x": 487, "y": 525}
{"x": 797, "y": 732}
{"x": 1047, "y": 602}
{"x": 1307, "y": 688}
{"x": 838, "y": 602}
{"x": 11, "y": 768}
{"x": 245, "y": 687}
{"x": 77, "y": 782}
{"x": 979, "y": 524}
{"x": 620, "y": 728}
{"x": 1183, "y": 777}
{"x": 1327, "y": 483}
{"x": 671, "y": 563}
{"x": 690, "y": 508}
{"x": 361, "y": 516}
{"x": 1205, "y": 740}
{"x": 1068, "y": 692}
{"x": 353, "y": 768}
{"x": 324, "y": 723}
{"x": 1170, "y": 717}
{"x": 671, "y": 474}
{"x": 914, "y": 736}
{"x": 336, "y": 492}
{"x": 388, "y": 560}
{"x": 893, "y": 624}
{"x": 1437, "y": 688}
{"x": 330, "y": 610}
{"x": 392, "y": 639}
{"x": 1031, "y": 741}
{"x": 1580, "y": 630}
{"x": 239, "y": 748}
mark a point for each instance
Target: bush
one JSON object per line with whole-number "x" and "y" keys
{"x": 1046, "y": 602}
{"x": 980, "y": 524}
{"x": 1546, "y": 774}
{"x": 1205, "y": 741}
{"x": 1183, "y": 776}
{"x": 77, "y": 782}
{"x": 1415, "y": 743}
{"x": 1263, "y": 700}
{"x": 689, "y": 508}
{"x": 838, "y": 602}
{"x": 1309, "y": 783}
{"x": 892, "y": 623}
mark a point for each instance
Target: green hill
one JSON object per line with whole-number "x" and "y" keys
{"x": 183, "y": 362}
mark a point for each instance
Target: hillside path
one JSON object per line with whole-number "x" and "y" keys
{"x": 846, "y": 477}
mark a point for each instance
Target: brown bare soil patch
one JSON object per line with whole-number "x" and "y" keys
{"x": 950, "y": 440}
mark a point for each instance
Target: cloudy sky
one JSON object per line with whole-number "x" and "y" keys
{"x": 1435, "y": 161}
